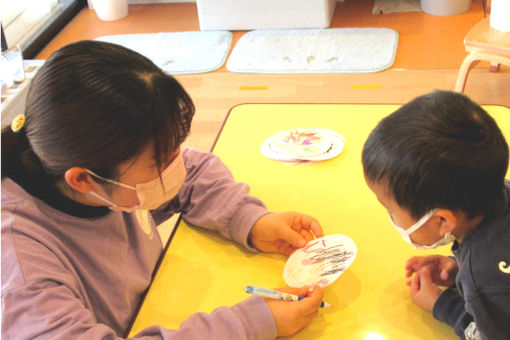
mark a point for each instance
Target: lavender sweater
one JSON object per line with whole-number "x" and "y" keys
{"x": 71, "y": 277}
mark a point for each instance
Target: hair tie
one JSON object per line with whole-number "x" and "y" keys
{"x": 18, "y": 123}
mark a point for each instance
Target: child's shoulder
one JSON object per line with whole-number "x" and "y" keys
{"x": 489, "y": 259}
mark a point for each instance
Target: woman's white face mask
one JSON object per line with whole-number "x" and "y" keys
{"x": 152, "y": 194}
{"x": 447, "y": 238}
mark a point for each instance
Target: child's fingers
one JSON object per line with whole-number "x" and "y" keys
{"x": 414, "y": 263}
{"x": 411, "y": 265}
{"x": 448, "y": 268}
{"x": 425, "y": 277}
{"x": 415, "y": 283}
{"x": 445, "y": 274}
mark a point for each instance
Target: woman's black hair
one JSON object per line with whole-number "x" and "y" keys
{"x": 96, "y": 105}
{"x": 440, "y": 150}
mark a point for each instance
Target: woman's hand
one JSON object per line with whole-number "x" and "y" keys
{"x": 291, "y": 316}
{"x": 284, "y": 232}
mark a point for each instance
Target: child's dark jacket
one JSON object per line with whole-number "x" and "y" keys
{"x": 480, "y": 306}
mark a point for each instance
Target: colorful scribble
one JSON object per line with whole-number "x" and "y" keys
{"x": 321, "y": 261}
{"x": 303, "y": 138}
{"x": 330, "y": 260}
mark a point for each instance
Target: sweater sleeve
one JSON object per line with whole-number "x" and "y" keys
{"x": 51, "y": 311}
{"x": 450, "y": 308}
{"x": 210, "y": 198}
{"x": 43, "y": 300}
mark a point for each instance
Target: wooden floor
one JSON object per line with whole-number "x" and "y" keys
{"x": 429, "y": 54}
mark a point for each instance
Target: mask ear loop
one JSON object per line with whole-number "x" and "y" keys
{"x": 420, "y": 222}
{"x": 102, "y": 199}
{"x": 111, "y": 180}
{"x": 112, "y": 205}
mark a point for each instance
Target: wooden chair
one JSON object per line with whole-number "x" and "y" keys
{"x": 483, "y": 43}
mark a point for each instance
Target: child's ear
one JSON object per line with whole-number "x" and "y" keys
{"x": 448, "y": 221}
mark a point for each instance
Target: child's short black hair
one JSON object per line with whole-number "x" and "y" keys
{"x": 440, "y": 150}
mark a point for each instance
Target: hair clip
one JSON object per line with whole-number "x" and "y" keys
{"x": 18, "y": 123}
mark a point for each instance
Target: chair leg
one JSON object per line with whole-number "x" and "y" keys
{"x": 494, "y": 67}
{"x": 472, "y": 59}
{"x": 465, "y": 67}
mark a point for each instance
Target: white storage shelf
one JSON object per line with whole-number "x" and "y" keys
{"x": 264, "y": 14}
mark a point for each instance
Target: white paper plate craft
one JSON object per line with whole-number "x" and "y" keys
{"x": 303, "y": 144}
{"x": 321, "y": 261}
{"x": 272, "y": 152}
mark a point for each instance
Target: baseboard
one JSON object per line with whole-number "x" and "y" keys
{"x": 135, "y": 2}
{"x": 138, "y": 2}
{"x": 156, "y": 1}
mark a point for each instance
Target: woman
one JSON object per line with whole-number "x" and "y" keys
{"x": 100, "y": 146}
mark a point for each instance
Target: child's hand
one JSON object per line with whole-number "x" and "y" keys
{"x": 283, "y": 233}
{"x": 442, "y": 269}
{"x": 291, "y": 316}
{"x": 423, "y": 292}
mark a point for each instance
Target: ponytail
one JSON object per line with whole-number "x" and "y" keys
{"x": 17, "y": 155}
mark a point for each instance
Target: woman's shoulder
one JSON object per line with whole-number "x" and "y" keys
{"x": 194, "y": 154}
{"x": 22, "y": 213}
{"x": 198, "y": 159}
{"x": 17, "y": 202}
{"x": 32, "y": 247}
{"x": 12, "y": 193}
{"x": 25, "y": 251}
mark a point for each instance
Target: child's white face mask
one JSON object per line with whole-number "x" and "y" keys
{"x": 447, "y": 238}
{"x": 151, "y": 194}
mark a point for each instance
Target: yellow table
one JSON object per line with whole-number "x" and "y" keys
{"x": 202, "y": 271}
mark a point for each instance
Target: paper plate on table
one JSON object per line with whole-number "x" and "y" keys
{"x": 272, "y": 152}
{"x": 303, "y": 144}
{"x": 321, "y": 261}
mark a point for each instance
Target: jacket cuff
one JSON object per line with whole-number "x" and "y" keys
{"x": 449, "y": 307}
{"x": 243, "y": 220}
{"x": 256, "y": 318}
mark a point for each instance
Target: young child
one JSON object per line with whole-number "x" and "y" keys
{"x": 437, "y": 164}
{"x": 101, "y": 145}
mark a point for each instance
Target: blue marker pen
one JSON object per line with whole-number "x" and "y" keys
{"x": 273, "y": 294}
